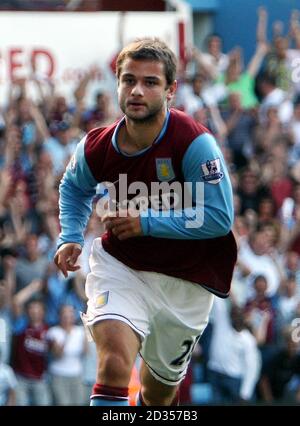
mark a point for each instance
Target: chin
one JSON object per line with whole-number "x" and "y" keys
{"x": 143, "y": 118}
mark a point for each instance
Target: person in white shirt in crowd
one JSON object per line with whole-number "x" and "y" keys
{"x": 254, "y": 255}
{"x": 67, "y": 345}
{"x": 8, "y": 384}
{"x": 234, "y": 360}
{"x": 288, "y": 301}
{"x": 273, "y": 97}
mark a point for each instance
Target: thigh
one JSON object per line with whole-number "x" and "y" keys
{"x": 116, "y": 337}
{"x": 115, "y": 292}
{"x": 175, "y": 330}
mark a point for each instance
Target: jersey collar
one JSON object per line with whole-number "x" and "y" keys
{"x": 136, "y": 154}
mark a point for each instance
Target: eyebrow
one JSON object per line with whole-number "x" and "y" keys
{"x": 147, "y": 77}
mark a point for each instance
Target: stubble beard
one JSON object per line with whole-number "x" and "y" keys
{"x": 149, "y": 116}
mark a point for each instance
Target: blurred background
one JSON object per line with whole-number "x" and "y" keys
{"x": 239, "y": 75}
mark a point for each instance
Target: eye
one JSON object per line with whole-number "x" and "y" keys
{"x": 129, "y": 81}
{"x": 150, "y": 83}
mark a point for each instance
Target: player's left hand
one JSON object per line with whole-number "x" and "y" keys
{"x": 123, "y": 225}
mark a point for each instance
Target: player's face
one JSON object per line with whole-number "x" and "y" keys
{"x": 142, "y": 89}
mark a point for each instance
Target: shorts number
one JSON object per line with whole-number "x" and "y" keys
{"x": 188, "y": 346}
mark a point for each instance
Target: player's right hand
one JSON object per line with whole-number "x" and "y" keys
{"x": 66, "y": 257}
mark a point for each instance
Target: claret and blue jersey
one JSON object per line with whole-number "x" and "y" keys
{"x": 203, "y": 252}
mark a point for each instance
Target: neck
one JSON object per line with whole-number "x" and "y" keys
{"x": 136, "y": 136}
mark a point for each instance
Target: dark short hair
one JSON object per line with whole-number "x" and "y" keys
{"x": 152, "y": 49}
{"x": 35, "y": 299}
{"x": 211, "y": 36}
{"x": 259, "y": 277}
{"x": 266, "y": 77}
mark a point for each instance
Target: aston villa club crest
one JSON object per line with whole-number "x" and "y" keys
{"x": 164, "y": 169}
{"x": 212, "y": 171}
{"x": 102, "y": 299}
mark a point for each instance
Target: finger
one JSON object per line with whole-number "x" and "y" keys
{"x": 74, "y": 257}
{"x": 108, "y": 217}
{"x": 115, "y": 223}
{"x": 124, "y": 235}
{"x": 118, "y": 221}
{"x": 108, "y": 226}
{"x": 62, "y": 264}
{"x": 117, "y": 230}
{"x": 73, "y": 268}
{"x": 121, "y": 220}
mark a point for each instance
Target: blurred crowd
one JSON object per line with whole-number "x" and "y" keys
{"x": 250, "y": 350}
{"x": 52, "y": 5}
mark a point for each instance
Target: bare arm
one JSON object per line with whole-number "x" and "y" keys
{"x": 232, "y": 120}
{"x": 294, "y": 32}
{"x": 218, "y": 121}
{"x": 257, "y": 58}
{"x": 24, "y": 295}
{"x": 5, "y": 184}
{"x": 261, "y": 29}
{"x": 80, "y": 107}
{"x": 57, "y": 349}
{"x": 260, "y": 332}
{"x": 80, "y": 90}
{"x": 9, "y": 263}
{"x": 20, "y": 227}
{"x": 40, "y": 122}
{"x": 277, "y": 29}
{"x": 210, "y": 70}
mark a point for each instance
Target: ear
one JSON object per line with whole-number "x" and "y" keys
{"x": 171, "y": 90}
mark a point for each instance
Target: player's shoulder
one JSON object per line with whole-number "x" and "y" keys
{"x": 185, "y": 125}
{"x": 98, "y": 137}
{"x": 185, "y": 132}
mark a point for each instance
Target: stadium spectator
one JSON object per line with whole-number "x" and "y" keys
{"x": 30, "y": 348}
{"x": 8, "y": 384}
{"x": 67, "y": 345}
{"x": 234, "y": 360}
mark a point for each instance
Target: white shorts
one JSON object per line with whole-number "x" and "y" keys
{"x": 169, "y": 314}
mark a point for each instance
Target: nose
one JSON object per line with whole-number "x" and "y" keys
{"x": 137, "y": 90}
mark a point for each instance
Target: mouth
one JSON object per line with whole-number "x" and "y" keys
{"x": 135, "y": 104}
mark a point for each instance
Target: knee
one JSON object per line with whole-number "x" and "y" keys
{"x": 153, "y": 397}
{"x": 114, "y": 369}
